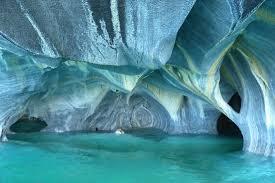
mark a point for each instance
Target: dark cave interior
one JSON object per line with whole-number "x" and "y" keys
{"x": 227, "y": 127}
{"x": 28, "y": 124}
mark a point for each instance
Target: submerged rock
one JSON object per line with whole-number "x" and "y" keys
{"x": 169, "y": 65}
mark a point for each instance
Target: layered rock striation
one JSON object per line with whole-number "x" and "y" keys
{"x": 171, "y": 65}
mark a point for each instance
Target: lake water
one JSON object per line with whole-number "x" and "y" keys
{"x": 135, "y": 158}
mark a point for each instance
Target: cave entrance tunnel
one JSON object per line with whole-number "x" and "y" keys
{"x": 227, "y": 127}
{"x": 28, "y": 124}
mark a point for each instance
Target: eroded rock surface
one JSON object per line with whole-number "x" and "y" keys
{"x": 171, "y": 65}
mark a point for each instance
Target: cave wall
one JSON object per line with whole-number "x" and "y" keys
{"x": 171, "y": 65}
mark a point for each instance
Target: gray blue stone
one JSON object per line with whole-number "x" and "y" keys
{"x": 171, "y": 65}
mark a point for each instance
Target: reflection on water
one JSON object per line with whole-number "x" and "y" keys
{"x": 143, "y": 156}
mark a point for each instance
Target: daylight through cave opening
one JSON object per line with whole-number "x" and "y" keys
{"x": 28, "y": 124}
{"x": 227, "y": 127}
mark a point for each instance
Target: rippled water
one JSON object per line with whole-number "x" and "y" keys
{"x": 84, "y": 157}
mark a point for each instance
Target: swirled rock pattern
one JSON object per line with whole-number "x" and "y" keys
{"x": 171, "y": 65}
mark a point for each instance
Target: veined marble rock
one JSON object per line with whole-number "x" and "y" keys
{"x": 171, "y": 65}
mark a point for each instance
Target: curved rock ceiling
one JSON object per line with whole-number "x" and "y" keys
{"x": 171, "y": 65}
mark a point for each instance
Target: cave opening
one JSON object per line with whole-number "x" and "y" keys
{"x": 28, "y": 124}
{"x": 225, "y": 126}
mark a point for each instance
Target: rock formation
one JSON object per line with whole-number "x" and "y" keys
{"x": 171, "y": 65}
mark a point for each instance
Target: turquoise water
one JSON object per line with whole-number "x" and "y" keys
{"x": 108, "y": 158}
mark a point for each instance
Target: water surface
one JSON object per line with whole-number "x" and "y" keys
{"x": 103, "y": 158}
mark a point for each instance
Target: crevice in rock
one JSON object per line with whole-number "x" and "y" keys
{"x": 227, "y": 127}
{"x": 236, "y": 102}
{"x": 28, "y": 124}
{"x": 230, "y": 87}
